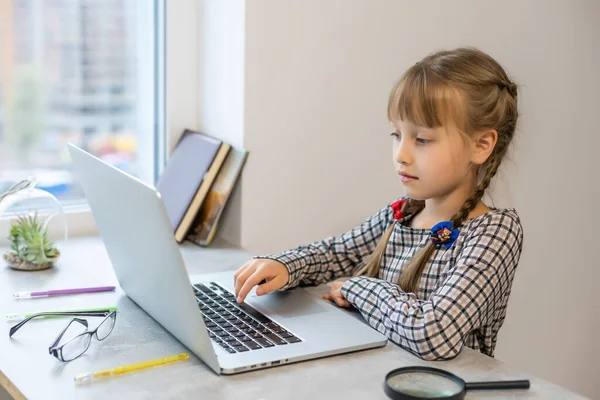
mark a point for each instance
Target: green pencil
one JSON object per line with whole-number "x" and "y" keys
{"x": 20, "y": 317}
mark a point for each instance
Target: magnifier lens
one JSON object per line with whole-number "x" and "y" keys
{"x": 424, "y": 384}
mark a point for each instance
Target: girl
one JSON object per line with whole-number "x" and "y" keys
{"x": 432, "y": 271}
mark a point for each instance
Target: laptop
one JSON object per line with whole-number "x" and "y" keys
{"x": 265, "y": 331}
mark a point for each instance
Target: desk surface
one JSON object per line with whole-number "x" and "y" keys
{"x": 27, "y": 370}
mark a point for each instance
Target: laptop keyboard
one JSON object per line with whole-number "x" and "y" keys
{"x": 237, "y": 328}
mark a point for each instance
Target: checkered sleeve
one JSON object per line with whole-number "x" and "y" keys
{"x": 473, "y": 288}
{"x": 334, "y": 257}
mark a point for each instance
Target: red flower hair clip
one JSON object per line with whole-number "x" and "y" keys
{"x": 397, "y": 208}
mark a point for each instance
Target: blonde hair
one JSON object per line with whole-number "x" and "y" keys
{"x": 469, "y": 89}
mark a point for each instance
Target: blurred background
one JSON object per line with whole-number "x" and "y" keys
{"x": 71, "y": 71}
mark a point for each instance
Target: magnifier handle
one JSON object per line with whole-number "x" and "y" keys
{"x": 495, "y": 385}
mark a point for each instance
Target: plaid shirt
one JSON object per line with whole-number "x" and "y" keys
{"x": 462, "y": 294}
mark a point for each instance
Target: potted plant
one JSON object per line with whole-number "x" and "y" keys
{"x": 30, "y": 250}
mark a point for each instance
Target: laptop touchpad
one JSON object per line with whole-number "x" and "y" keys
{"x": 288, "y": 304}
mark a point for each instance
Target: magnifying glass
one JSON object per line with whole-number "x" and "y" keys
{"x": 414, "y": 383}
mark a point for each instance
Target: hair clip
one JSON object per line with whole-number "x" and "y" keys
{"x": 443, "y": 234}
{"x": 397, "y": 208}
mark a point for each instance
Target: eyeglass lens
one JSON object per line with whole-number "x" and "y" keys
{"x": 76, "y": 346}
{"x": 106, "y": 327}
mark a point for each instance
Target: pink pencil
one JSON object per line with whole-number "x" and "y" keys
{"x": 60, "y": 292}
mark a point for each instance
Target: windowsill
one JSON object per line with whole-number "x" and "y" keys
{"x": 80, "y": 221}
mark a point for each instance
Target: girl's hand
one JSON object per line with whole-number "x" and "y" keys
{"x": 274, "y": 273}
{"x": 335, "y": 295}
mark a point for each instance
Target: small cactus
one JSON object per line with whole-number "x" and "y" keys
{"x": 30, "y": 247}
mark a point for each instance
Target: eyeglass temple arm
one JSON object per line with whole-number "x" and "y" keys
{"x": 99, "y": 313}
{"x": 81, "y": 321}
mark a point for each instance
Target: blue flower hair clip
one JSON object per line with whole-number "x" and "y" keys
{"x": 442, "y": 234}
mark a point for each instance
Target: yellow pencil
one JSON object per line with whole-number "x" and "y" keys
{"x": 123, "y": 369}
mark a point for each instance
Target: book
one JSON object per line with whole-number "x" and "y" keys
{"x": 207, "y": 220}
{"x": 188, "y": 176}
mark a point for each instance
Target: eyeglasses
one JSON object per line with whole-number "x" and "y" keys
{"x": 77, "y": 345}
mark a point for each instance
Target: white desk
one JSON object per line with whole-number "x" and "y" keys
{"x": 28, "y": 371}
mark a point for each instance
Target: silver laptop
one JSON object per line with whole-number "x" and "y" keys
{"x": 264, "y": 331}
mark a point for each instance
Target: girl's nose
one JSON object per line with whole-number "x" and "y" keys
{"x": 402, "y": 152}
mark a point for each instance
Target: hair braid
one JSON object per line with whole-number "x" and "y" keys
{"x": 477, "y": 195}
{"x": 371, "y": 267}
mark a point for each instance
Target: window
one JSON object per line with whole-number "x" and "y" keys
{"x": 80, "y": 71}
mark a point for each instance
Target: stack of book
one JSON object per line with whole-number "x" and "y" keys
{"x": 197, "y": 183}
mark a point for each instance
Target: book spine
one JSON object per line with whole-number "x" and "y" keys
{"x": 194, "y": 207}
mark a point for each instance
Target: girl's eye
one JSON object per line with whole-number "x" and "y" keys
{"x": 423, "y": 141}
{"x": 396, "y": 135}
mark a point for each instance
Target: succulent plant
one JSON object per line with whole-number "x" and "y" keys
{"x": 30, "y": 243}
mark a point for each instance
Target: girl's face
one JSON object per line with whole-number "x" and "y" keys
{"x": 431, "y": 162}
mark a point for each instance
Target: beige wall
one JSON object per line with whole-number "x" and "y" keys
{"x": 317, "y": 75}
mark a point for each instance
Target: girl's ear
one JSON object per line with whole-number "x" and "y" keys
{"x": 483, "y": 145}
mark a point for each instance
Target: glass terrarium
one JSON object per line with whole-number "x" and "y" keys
{"x": 31, "y": 220}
